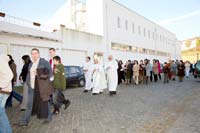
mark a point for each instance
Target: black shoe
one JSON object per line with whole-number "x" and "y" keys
{"x": 22, "y": 109}
{"x": 94, "y": 94}
{"x": 56, "y": 111}
{"x": 67, "y": 103}
{"x": 112, "y": 93}
{"x": 85, "y": 91}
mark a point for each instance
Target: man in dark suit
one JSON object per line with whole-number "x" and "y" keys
{"x": 36, "y": 104}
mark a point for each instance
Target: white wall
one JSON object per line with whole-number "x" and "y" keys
{"x": 73, "y": 46}
{"x": 94, "y": 17}
{"x": 113, "y": 10}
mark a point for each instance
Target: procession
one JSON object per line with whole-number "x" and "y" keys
{"x": 99, "y": 66}
{"x": 44, "y": 81}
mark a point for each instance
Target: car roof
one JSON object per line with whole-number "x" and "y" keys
{"x": 73, "y": 66}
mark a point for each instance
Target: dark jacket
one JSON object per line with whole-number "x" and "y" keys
{"x": 42, "y": 79}
{"x": 181, "y": 70}
{"x": 24, "y": 72}
{"x": 166, "y": 70}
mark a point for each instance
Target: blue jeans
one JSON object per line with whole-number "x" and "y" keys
{"x": 27, "y": 114}
{"x": 16, "y": 95}
{"x": 49, "y": 112}
{"x": 4, "y": 122}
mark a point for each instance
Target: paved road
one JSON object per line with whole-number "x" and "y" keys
{"x": 153, "y": 108}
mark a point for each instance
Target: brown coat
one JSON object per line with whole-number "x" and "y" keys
{"x": 44, "y": 85}
{"x": 136, "y": 69}
{"x": 13, "y": 67}
{"x": 155, "y": 68}
{"x": 181, "y": 70}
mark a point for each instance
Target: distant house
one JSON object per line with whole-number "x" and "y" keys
{"x": 191, "y": 49}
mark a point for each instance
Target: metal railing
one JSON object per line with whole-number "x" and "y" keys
{"x": 26, "y": 23}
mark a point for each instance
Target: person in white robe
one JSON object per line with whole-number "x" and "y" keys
{"x": 111, "y": 69}
{"x": 88, "y": 70}
{"x": 99, "y": 79}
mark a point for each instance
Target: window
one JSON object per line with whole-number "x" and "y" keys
{"x": 66, "y": 72}
{"x": 149, "y": 35}
{"x": 120, "y": 47}
{"x": 118, "y": 22}
{"x": 126, "y": 24}
{"x": 156, "y": 36}
{"x": 153, "y": 35}
{"x": 134, "y": 49}
{"x": 124, "y": 47}
{"x": 151, "y": 52}
{"x": 73, "y": 71}
{"x": 143, "y": 50}
{"x": 144, "y": 32}
{"x": 139, "y": 30}
{"x": 162, "y": 53}
{"x": 133, "y": 27}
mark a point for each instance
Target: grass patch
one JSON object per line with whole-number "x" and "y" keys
{"x": 18, "y": 89}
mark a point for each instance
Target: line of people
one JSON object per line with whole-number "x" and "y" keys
{"x": 44, "y": 81}
{"x": 145, "y": 71}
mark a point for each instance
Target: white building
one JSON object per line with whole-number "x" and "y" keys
{"x": 106, "y": 27}
{"x": 126, "y": 34}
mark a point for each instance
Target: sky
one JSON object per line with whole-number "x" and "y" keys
{"x": 181, "y": 17}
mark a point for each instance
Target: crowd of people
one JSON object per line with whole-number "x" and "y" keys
{"x": 44, "y": 81}
{"x": 146, "y": 71}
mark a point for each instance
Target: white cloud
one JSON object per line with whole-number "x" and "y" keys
{"x": 179, "y": 18}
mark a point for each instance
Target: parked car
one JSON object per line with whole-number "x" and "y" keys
{"x": 74, "y": 76}
{"x": 197, "y": 70}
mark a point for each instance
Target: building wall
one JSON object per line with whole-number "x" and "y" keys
{"x": 121, "y": 25}
{"x": 73, "y": 46}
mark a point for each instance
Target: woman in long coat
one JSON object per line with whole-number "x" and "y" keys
{"x": 181, "y": 71}
{"x": 141, "y": 72}
{"x": 136, "y": 68}
{"x": 127, "y": 69}
{"x": 120, "y": 72}
{"x": 147, "y": 70}
{"x": 155, "y": 70}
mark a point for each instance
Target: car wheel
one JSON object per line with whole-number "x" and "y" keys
{"x": 82, "y": 83}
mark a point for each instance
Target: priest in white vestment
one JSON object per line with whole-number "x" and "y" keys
{"x": 99, "y": 78}
{"x": 111, "y": 69}
{"x": 88, "y": 70}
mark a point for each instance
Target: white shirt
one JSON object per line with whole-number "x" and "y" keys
{"x": 33, "y": 73}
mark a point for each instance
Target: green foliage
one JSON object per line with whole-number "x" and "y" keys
{"x": 198, "y": 42}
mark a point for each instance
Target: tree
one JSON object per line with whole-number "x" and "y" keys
{"x": 197, "y": 42}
